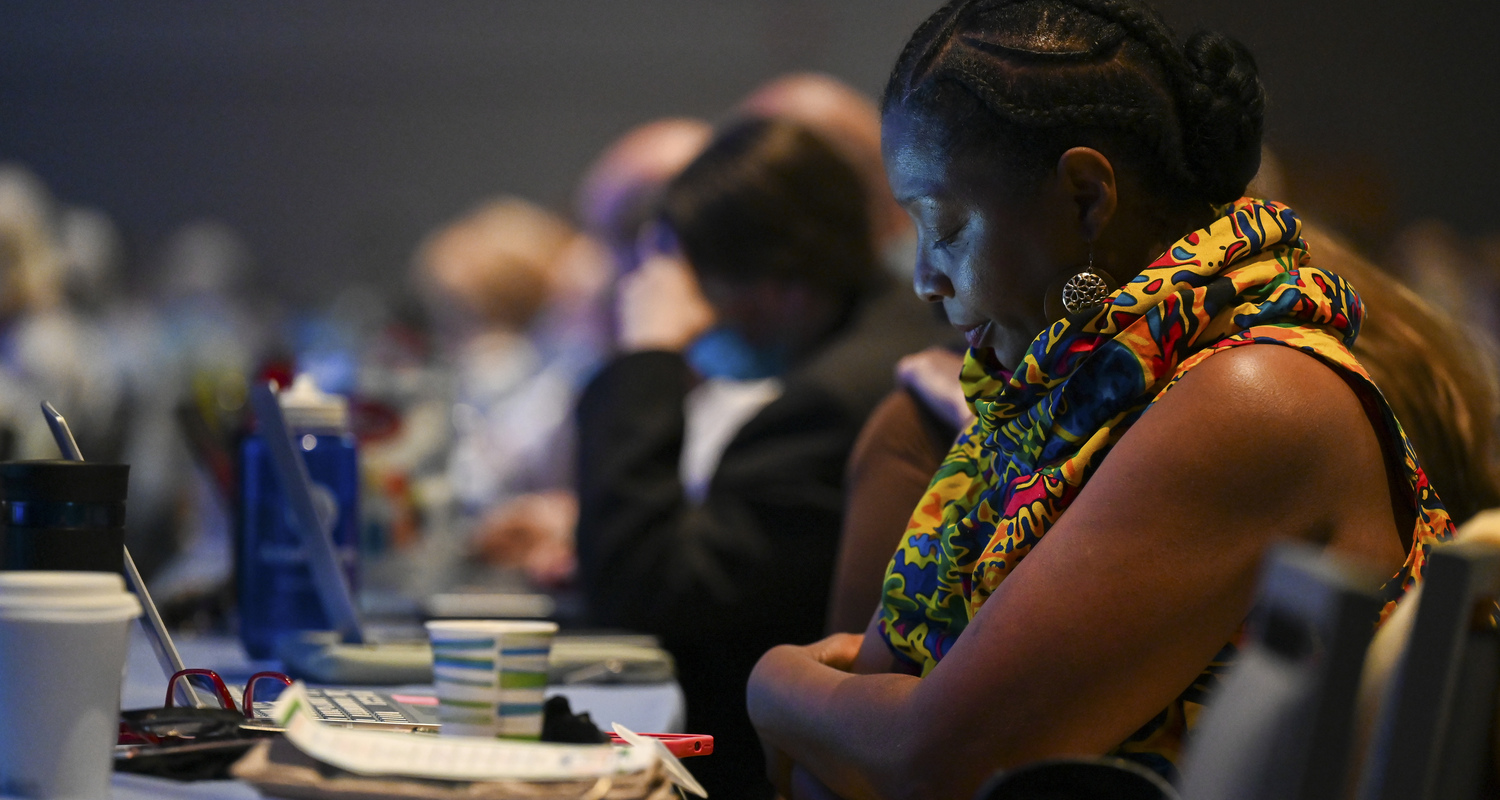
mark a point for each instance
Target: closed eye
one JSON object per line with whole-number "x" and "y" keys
{"x": 944, "y": 241}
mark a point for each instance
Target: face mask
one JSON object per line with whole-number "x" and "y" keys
{"x": 724, "y": 353}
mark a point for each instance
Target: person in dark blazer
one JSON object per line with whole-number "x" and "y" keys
{"x": 755, "y": 343}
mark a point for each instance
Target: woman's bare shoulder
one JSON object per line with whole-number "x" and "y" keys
{"x": 1263, "y": 431}
{"x": 1267, "y": 405}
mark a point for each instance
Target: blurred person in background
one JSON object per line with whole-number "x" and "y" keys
{"x": 619, "y": 192}
{"x": 118, "y": 369}
{"x": 529, "y": 524}
{"x": 28, "y": 266}
{"x": 511, "y": 287}
{"x": 192, "y": 349}
{"x": 710, "y": 508}
{"x": 33, "y": 268}
{"x": 569, "y": 280}
{"x": 1439, "y": 379}
{"x": 1451, "y": 272}
{"x": 63, "y": 342}
{"x": 73, "y": 336}
{"x": 57, "y": 266}
{"x": 848, "y": 120}
{"x": 375, "y": 347}
{"x": 121, "y": 370}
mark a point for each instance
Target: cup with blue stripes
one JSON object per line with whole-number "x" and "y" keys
{"x": 490, "y": 676}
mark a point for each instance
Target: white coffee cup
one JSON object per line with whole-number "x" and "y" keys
{"x": 63, "y": 640}
{"x": 491, "y": 676}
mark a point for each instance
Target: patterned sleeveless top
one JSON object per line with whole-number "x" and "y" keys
{"x": 1042, "y": 430}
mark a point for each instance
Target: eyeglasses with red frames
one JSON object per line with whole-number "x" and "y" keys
{"x": 171, "y": 724}
{"x": 220, "y": 690}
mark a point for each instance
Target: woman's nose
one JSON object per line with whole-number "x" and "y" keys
{"x": 930, "y": 283}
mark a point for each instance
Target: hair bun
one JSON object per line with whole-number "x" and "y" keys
{"x": 1223, "y": 116}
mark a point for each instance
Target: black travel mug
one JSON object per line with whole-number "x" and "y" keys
{"x": 63, "y": 515}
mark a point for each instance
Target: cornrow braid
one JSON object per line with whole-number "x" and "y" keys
{"x": 1151, "y": 124}
{"x": 1098, "y": 51}
{"x": 1212, "y": 76}
{"x": 1074, "y": 114}
{"x": 1144, "y": 26}
{"x": 1058, "y": 73}
{"x": 923, "y": 46}
{"x": 1227, "y": 112}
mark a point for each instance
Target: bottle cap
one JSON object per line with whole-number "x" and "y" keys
{"x": 307, "y": 407}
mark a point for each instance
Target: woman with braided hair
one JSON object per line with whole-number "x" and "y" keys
{"x": 1163, "y": 388}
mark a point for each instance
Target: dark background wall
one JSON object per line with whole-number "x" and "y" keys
{"x": 333, "y": 133}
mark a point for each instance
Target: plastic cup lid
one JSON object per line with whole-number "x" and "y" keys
{"x": 65, "y": 596}
{"x": 440, "y": 628}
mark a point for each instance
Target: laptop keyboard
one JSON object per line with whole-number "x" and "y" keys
{"x": 348, "y": 705}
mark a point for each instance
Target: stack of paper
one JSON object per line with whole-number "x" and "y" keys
{"x": 436, "y": 765}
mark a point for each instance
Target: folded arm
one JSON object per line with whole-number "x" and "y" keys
{"x": 1116, "y": 611}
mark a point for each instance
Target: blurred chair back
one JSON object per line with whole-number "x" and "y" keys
{"x": 1280, "y": 726}
{"x": 1434, "y": 734}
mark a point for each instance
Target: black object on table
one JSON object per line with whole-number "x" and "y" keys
{"x": 1102, "y": 778}
{"x": 185, "y": 744}
{"x": 62, "y": 515}
{"x": 562, "y": 726}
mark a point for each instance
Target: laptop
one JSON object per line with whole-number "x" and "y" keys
{"x": 348, "y": 654}
{"x": 349, "y": 706}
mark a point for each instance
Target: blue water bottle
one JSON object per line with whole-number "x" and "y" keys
{"x": 276, "y": 591}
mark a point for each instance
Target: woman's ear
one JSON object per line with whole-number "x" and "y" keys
{"x": 1087, "y": 179}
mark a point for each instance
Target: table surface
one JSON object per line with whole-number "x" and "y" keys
{"x": 642, "y": 707}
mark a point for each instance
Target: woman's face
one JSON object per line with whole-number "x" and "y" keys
{"x": 987, "y": 249}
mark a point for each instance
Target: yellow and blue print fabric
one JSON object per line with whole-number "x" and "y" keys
{"x": 1044, "y": 428}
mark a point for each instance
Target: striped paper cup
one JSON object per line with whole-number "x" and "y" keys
{"x": 490, "y": 676}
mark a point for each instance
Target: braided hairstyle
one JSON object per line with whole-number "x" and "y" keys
{"x": 1025, "y": 80}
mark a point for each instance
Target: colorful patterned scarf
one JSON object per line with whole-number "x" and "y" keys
{"x": 1043, "y": 429}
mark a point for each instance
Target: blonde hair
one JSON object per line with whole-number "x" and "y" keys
{"x": 498, "y": 262}
{"x": 31, "y": 268}
{"x": 1439, "y": 379}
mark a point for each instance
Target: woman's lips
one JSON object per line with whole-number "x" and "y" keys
{"x": 975, "y": 335}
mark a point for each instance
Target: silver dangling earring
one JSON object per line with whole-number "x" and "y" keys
{"x": 1084, "y": 290}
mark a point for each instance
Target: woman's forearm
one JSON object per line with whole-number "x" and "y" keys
{"x": 855, "y": 733}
